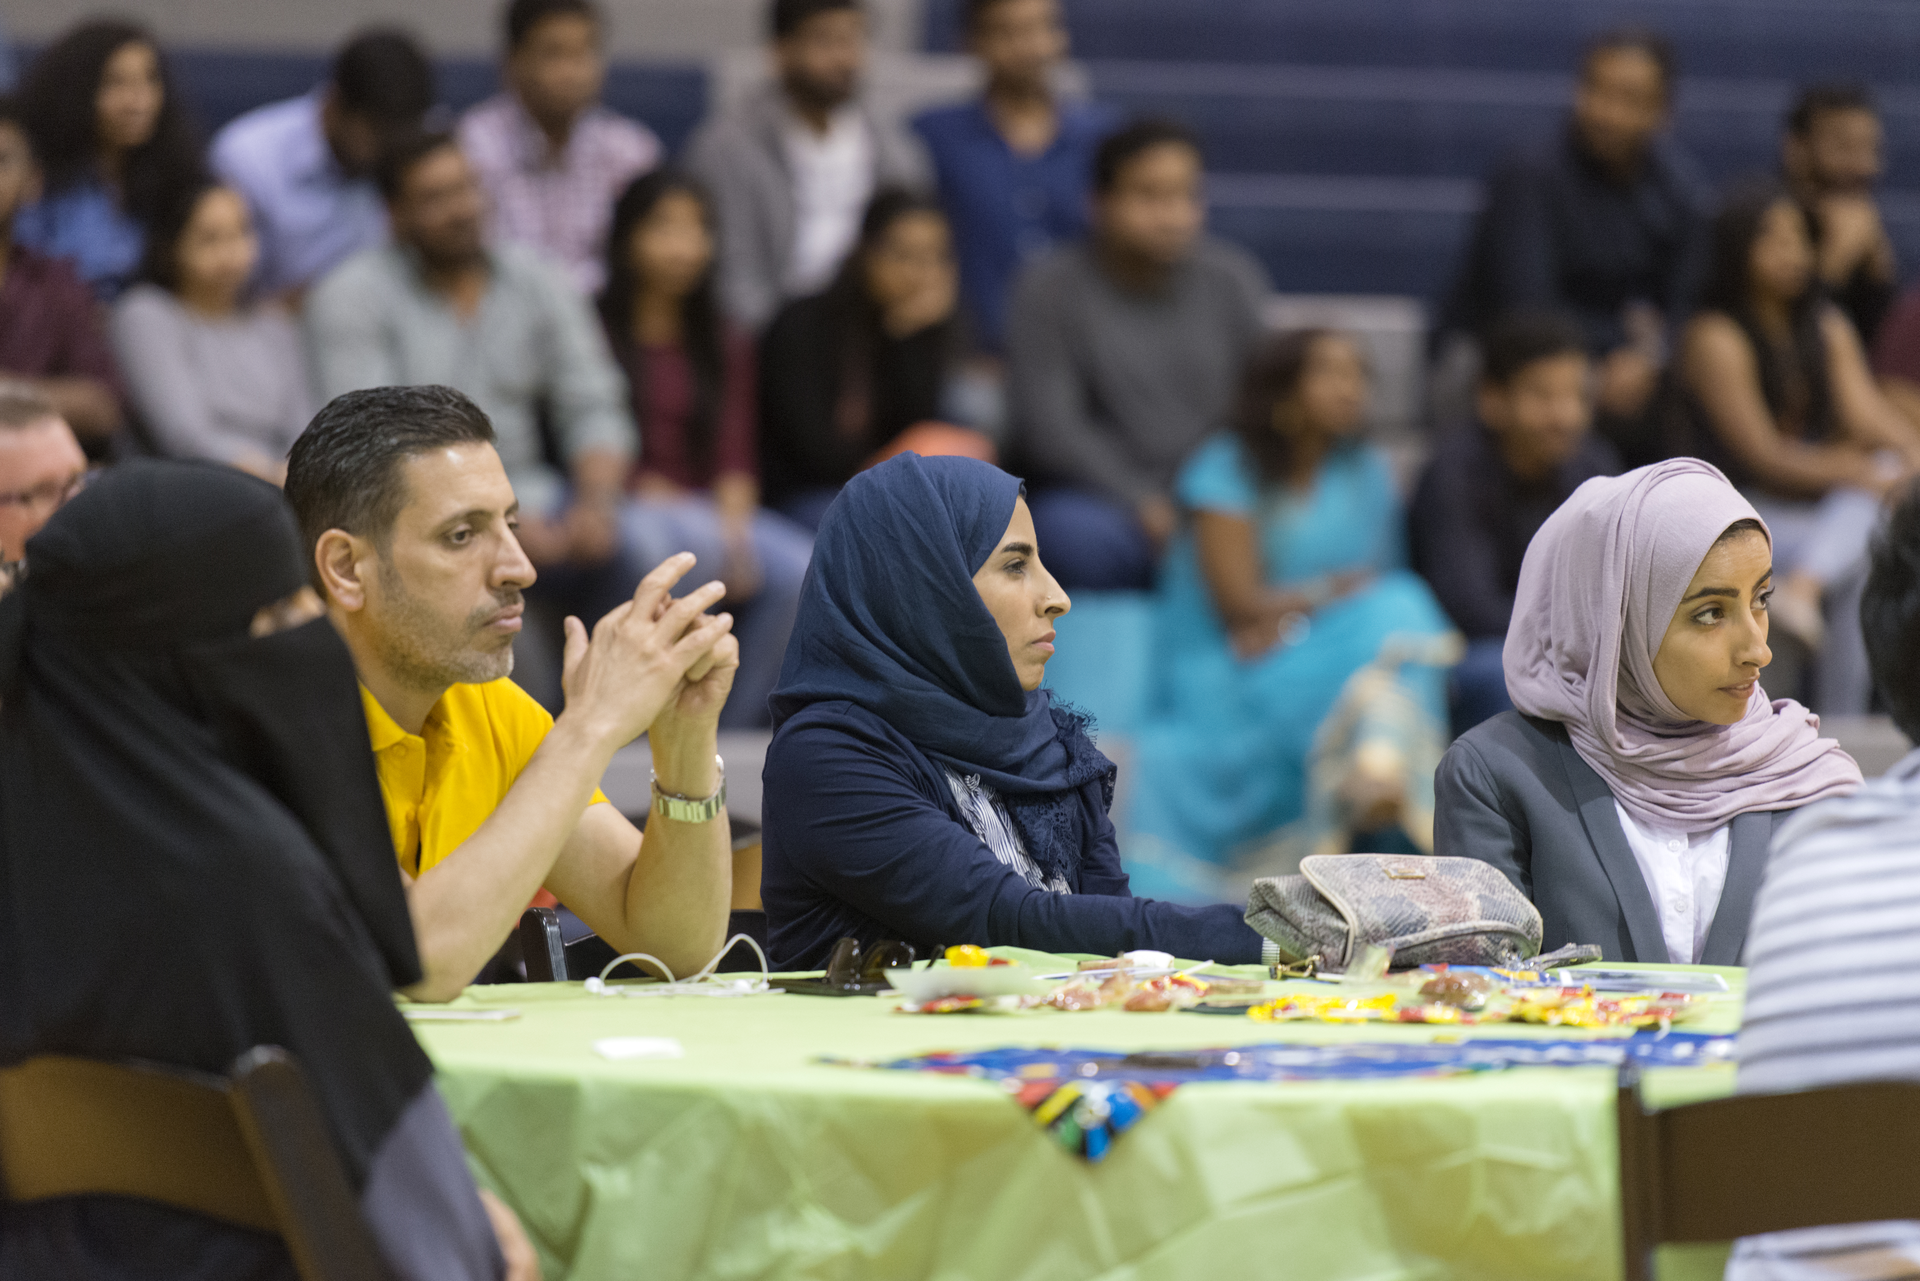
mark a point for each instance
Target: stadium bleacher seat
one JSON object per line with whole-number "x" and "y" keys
{"x": 1346, "y": 141}
{"x": 221, "y": 84}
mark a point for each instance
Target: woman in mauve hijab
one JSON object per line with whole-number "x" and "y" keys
{"x": 921, "y": 785}
{"x": 1633, "y": 793}
{"x": 194, "y": 861}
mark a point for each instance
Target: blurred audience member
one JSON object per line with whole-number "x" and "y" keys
{"x": 50, "y": 334}
{"x": 1489, "y": 487}
{"x": 552, "y": 158}
{"x": 1124, "y": 352}
{"x": 1604, "y": 221}
{"x": 41, "y": 466}
{"x": 1896, "y": 355}
{"x": 1773, "y": 388}
{"x": 210, "y": 375}
{"x": 9, "y": 65}
{"x": 114, "y": 145}
{"x": 306, "y": 165}
{"x": 1831, "y": 156}
{"x": 691, "y": 376}
{"x": 502, "y": 324}
{"x": 792, "y": 166}
{"x": 1302, "y": 703}
{"x": 1839, "y": 903}
{"x": 1014, "y": 167}
{"x": 847, "y": 373}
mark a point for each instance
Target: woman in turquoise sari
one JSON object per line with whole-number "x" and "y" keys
{"x": 1300, "y": 698}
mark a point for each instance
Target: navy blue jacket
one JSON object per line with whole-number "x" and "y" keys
{"x": 864, "y": 839}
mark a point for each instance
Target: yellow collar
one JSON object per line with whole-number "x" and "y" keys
{"x": 384, "y": 730}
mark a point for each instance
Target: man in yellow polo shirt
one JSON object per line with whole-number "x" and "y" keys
{"x": 412, "y": 523}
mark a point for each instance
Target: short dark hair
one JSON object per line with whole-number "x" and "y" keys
{"x": 398, "y": 158}
{"x": 1520, "y": 338}
{"x": 383, "y": 75}
{"x": 785, "y": 17}
{"x": 974, "y": 11}
{"x": 1636, "y": 39}
{"x": 344, "y": 471}
{"x": 1126, "y": 144}
{"x": 1890, "y": 614}
{"x": 523, "y": 16}
{"x": 1818, "y": 100}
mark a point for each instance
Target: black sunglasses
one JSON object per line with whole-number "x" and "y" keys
{"x": 855, "y": 970}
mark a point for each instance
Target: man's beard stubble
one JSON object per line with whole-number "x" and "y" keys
{"x": 416, "y": 651}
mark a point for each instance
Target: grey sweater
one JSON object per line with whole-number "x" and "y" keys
{"x": 534, "y": 347}
{"x": 223, "y": 390}
{"x": 1112, "y": 390}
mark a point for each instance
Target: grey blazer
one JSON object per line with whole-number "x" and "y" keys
{"x": 742, "y": 159}
{"x": 1514, "y": 793}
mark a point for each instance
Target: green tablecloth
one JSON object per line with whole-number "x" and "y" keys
{"x": 746, "y": 1158}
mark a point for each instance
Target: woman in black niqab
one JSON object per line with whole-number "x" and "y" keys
{"x": 194, "y": 860}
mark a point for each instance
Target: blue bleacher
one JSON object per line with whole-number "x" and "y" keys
{"x": 1347, "y": 139}
{"x": 1784, "y": 39}
{"x": 221, "y": 84}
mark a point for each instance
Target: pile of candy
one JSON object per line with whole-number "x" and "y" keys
{"x": 1121, "y": 988}
{"x": 1439, "y": 995}
{"x": 967, "y": 956}
{"x": 1138, "y": 981}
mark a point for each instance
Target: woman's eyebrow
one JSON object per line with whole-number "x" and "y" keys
{"x": 1017, "y": 549}
{"x": 1728, "y": 591}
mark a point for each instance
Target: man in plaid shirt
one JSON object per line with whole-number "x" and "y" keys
{"x": 551, "y": 157}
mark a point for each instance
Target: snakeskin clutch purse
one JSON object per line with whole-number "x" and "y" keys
{"x": 1459, "y": 911}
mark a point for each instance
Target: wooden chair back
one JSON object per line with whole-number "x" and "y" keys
{"x": 1757, "y": 1163}
{"x": 251, "y": 1149}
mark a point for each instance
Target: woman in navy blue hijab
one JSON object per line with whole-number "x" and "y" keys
{"x": 921, "y": 785}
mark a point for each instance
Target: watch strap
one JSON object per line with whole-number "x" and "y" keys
{"x": 686, "y": 809}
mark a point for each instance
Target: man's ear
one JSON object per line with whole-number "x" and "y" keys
{"x": 338, "y": 557}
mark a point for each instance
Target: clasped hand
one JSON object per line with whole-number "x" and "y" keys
{"x": 653, "y": 662}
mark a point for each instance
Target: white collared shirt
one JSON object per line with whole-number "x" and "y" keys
{"x": 1684, "y": 872}
{"x": 832, "y": 179}
{"x": 986, "y": 815}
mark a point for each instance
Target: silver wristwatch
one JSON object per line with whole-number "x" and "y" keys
{"x": 685, "y": 809}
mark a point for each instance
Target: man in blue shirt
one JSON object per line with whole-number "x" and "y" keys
{"x": 1014, "y": 166}
{"x": 305, "y": 165}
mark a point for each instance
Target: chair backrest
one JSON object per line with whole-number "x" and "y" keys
{"x": 1758, "y": 1163}
{"x": 542, "y": 947}
{"x": 251, "y": 1149}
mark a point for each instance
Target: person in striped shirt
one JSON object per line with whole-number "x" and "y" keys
{"x": 1833, "y": 988}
